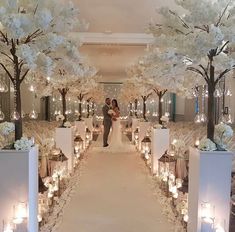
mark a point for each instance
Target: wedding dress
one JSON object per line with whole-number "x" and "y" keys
{"x": 115, "y": 142}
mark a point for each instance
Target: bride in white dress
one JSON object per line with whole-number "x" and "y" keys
{"x": 116, "y": 134}
{"x": 116, "y": 144}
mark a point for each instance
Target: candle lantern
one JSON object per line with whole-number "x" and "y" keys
{"x": 136, "y": 136}
{"x": 20, "y": 212}
{"x": 146, "y": 147}
{"x": 88, "y": 137}
{"x": 58, "y": 162}
{"x": 167, "y": 167}
{"x": 78, "y": 144}
{"x": 8, "y": 227}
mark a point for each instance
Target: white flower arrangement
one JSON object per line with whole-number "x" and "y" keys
{"x": 67, "y": 124}
{"x": 157, "y": 126}
{"x": 60, "y": 117}
{"x": 111, "y": 112}
{"x": 23, "y": 144}
{"x": 164, "y": 119}
{"x": 207, "y": 145}
{"x": 6, "y": 128}
{"x": 223, "y": 133}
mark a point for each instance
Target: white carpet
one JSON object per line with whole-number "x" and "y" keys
{"x": 114, "y": 195}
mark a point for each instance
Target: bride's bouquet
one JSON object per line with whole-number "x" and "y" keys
{"x": 111, "y": 112}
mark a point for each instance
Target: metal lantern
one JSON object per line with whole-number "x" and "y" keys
{"x": 146, "y": 147}
{"x": 58, "y": 162}
{"x": 78, "y": 144}
{"x": 167, "y": 167}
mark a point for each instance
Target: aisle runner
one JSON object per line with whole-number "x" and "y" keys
{"x": 114, "y": 195}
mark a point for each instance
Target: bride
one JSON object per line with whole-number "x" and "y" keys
{"x": 116, "y": 134}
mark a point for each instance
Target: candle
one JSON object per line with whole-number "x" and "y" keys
{"x": 197, "y": 142}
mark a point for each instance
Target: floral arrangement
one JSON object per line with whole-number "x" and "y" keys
{"x": 60, "y": 117}
{"x": 164, "y": 119}
{"x": 67, "y": 124}
{"x": 157, "y": 126}
{"x": 223, "y": 133}
{"x": 6, "y": 128}
{"x": 111, "y": 112}
{"x": 207, "y": 145}
{"x": 23, "y": 144}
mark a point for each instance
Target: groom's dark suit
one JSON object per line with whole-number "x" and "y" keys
{"x": 107, "y": 123}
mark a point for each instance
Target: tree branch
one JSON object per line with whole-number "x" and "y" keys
{"x": 205, "y": 72}
{"x": 222, "y": 48}
{"x": 33, "y": 36}
{"x": 222, "y": 75}
{"x": 177, "y": 16}
{"x": 222, "y": 15}
{"x": 3, "y": 53}
{"x": 4, "y": 37}
{"x": 8, "y": 73}
{"x": 24, "y": 75}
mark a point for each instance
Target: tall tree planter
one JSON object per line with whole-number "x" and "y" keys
{"x": 80, "y": 99}
{"x": 17, "y": 77}
{"x": 136, "y": 107}
{"x": 160, "y": 94}
{"x": 212, "y": 81}
{"x": 63, "y": 93}
{"x": 145, "y": 98}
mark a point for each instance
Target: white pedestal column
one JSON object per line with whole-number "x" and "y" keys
{"x": 144, "y": 126}
{"x": 160, "y": 141}
{"x": 64, "y": 140}
{"x": 19, "y": 183}
{"x": 135, "y": 123}
{"x": 209, "y": 181}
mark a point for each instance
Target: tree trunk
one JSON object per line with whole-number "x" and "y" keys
{"x": 136, "y": 106}
{"x": 131, "y": 108}
{"x": 19, "y": 122}
{"x": 47, "y": 108}
{"x": 63, "y": 94}
{"x": 159, "y": 108}
{"x": 80, "y": 98}
{"x": 144, "y": 108}
{"x": 93, "y": 108}
{"x": 88, "y": 109}
{"x": 211, "y": 107}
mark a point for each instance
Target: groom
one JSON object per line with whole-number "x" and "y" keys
{"x": 107, "y": 121}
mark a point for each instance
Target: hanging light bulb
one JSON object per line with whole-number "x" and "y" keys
{"x": 218, "y": 93}
{"x": 2, "y": 115}
{"x": 31, "y": 88}
{"x": 15, "y": 116}
{"x": 228, "y": 93}
{"x": 203, "y": 118}
{"x": 22, "y": 114}
{"x": 162, "y": 100}
{"x": 33, "y": 114}
{"x": 48, "y": 78}
{"x": 197, "y": 118}
{"x": 3, "y": 87}
{"x": 167, "y": 114}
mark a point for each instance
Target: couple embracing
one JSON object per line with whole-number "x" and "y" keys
{"x": 111, "y": 113}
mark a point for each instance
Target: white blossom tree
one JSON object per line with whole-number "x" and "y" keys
{"x": 81, "y": 90}
{"x": 203, "y": 39}
{"x": 129, "y": 93}
{"x": 95, "y": 96}
{"x": 30, "y": 31}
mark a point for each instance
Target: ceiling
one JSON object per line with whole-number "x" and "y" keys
{"x": 108, "y": 17}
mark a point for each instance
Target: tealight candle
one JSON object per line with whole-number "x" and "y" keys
{"x": 197, "y": 143}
